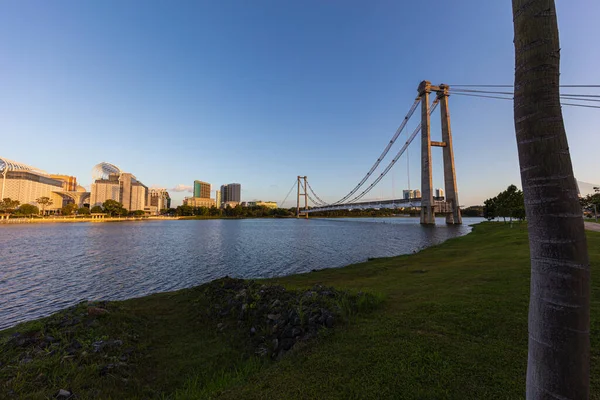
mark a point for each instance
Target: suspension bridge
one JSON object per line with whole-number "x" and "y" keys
{"x": 429, "y": 205}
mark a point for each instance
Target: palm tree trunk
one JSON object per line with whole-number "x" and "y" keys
{"x": 559, "y": 321}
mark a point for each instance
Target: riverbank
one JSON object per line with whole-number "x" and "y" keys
{"x": 55, "y": 220}
{"x": 452, "y": 325}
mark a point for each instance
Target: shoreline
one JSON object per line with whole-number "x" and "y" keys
{"x": 449, "y": 315}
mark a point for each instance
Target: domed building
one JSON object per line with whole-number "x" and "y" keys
{"x": 110, "y": 183}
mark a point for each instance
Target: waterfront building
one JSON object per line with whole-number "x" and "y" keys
{"x": 411, "y": 194}
{"x": 25, "y": 183}
{"x": 230, "y": 204}
{"x": 199, "y": 202}
{"x": 218, "y": 198}
{"x": 439, "y": 194}
{"x": 202, "y": 189}
{"x": 232, "y": 192}
{"x": 69, "y": 182}
{"x": 158, "y": 200}
{"x": 113, "y": 184}
{"x": 269, "y": 204}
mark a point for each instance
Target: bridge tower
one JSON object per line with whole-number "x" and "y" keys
{"x": 428, "y": 206}
{"x": 302, "y": 185}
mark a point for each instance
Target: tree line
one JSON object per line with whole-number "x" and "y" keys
{"x": 231, "y": 212}
{"x": 591, "y": 203}
{"x": 507, "y": 204}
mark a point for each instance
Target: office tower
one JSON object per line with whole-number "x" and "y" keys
{"x": 232, "y": 192}
{"x": 202, "y": 189}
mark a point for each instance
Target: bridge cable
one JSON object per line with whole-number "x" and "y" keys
{"x": 402, "y": 150}
{"x": 512, "y": 93}
{"x": 287, "y": 195}
{"x": 384, "y": 153}
{"x": 510, "y": 98}
{"x": 509, "y": 86}
{"x": 314, "y": 194}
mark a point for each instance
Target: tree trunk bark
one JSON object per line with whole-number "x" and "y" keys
{"x": 559, "y": 321}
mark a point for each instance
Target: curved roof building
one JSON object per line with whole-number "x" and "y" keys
{"x": 111, "y": 183}
{"x": 25, "y": 183}
{"x": 103, "y": 170}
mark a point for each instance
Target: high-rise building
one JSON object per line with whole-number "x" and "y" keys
{"x": 113, "y": 184}
{"x": 232, "y": 192}
{"x": 218, "y": 198}
{"x": 439, "y": 193}
{"x": 202, "y": 189}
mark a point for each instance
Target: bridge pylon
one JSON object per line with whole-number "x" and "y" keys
{"x": 302, "y": 185}
{"x": 452, "y": 210}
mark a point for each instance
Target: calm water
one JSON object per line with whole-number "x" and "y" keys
{"x": 44, "y": 268}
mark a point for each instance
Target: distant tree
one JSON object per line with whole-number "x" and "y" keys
{"x": 591, "y": 202}
{"x": 84, "y": 211}
{"x": 184, "y": 211}
{"x": 44, "y": 202}
{"x": 113, "y": 208}
{"x": 7, "y": 205}
{"x": 138, "y": 213}
{"x": 473, "y": 211}
{"x": 490, "y": 211}
{"x": 68, "y": 209}
{"x": 507, "y": 204}
{"x": 28, "y": 209}
{"x": 96, "y": 210}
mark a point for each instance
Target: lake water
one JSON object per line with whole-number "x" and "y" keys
{"x": 47, "y": 267}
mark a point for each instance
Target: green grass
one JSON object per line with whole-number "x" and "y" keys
{"x": 452, "y": 325}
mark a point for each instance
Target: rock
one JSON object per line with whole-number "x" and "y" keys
{"x": 62, "y": 394}
{"x": 252, "y": 330}
{"x": 329, "y": 322}
{"x": 95, "y": 311}
{"x": 296, "y": 332}
{"x": 101, "y": 345}
{"x": 92, "y": 323}
{"x": 287, "y": 344}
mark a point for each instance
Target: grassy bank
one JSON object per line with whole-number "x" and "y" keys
{"x": 452, "y": 325}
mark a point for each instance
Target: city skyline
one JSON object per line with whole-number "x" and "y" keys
{"x": 157, "y": 89}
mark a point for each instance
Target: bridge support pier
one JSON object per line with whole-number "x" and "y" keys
{"x": 454, "y": 217}
{"x": 427, "y": 211}
{"x": 302, "y": 186}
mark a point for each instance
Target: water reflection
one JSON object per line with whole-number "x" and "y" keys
{"x": 44, "y": 268}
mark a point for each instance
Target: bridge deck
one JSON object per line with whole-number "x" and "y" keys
{"x": 440, "y": 206}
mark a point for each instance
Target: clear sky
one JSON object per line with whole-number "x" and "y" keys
{"x": 258, "y": 92}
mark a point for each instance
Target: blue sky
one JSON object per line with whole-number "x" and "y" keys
{"x": 258, "y": 92}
